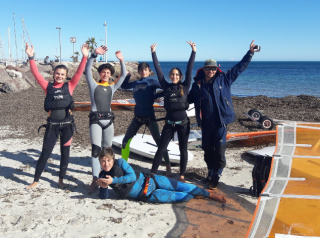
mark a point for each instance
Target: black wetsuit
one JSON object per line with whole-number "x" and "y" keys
{"x": 176, "y": 120}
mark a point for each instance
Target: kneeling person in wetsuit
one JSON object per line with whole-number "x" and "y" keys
{"x": 144, "y": 93}
{"x": 156, "y": 189}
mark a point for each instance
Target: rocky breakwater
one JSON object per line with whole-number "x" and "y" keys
{"x": 14, "y": 79}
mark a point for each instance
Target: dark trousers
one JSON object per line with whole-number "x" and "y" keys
{"x": 65, "y": 132}
{"x": 166, "y": 135}
{"x": 214, "y": 146}
{"x": 153, "y": 128}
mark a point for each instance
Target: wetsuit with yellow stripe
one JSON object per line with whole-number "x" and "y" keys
{"x": 101, "y": 94}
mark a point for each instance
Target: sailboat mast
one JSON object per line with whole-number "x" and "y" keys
{"x": 15, "y": 35}
{"x": 9, "y": 42}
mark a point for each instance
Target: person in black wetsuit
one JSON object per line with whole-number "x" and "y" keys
{"x": 176, "y": 104}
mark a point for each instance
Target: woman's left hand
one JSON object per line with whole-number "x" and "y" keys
{"x": 119, "y": 55}
{"x": 85, "y": 50}
{"x": 193, "y": 45}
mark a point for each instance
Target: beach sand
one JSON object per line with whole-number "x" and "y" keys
{"x": 49, "y": 211}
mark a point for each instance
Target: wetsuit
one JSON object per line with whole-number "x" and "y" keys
{"x": 161, "y": 189}
{"x": 144, "y": 93}
{"x": 176, "y": 119}
{"x": 101, "y": 117}
{"x": 60, "y": 121}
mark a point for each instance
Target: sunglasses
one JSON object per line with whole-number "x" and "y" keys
{"x": 208, "y": 69}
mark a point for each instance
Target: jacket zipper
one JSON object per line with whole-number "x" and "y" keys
{"x": 229, "y": 104}
{"x": 216, "y": 95}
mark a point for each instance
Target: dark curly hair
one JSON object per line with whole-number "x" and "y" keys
{"x": 106, "y": 66}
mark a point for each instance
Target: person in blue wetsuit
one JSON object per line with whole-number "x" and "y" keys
{"x": 144, "y": 93}
{"x": 120, "y": 176}
{"x": 211, "y": 95}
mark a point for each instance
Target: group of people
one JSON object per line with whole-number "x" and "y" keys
{"x": 210, "y": 93}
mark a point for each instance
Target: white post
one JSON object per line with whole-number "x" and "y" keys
{"x": 105, "y": 28}
{"x": 59, "y": 40}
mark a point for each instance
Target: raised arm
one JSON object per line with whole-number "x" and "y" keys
{"x": 34, "y": 69}
{"x": 99, "y": 51}
{"x": 123, "y": 74}
{"x": 76, "y": 77}
{"x": 126, "y": 84}
{"x": 157, "y": 67}
{"x": 233, "y": 73}
{"x": 187, "y": 81}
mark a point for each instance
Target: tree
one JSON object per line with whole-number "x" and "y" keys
{"x": 75, "y": 58}
{"x": 57, "y": 58}
{"x": 92, "y": 44}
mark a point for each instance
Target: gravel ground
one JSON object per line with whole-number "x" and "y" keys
{"x": 24, "y": 112}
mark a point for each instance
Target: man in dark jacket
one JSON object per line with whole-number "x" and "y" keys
{"x": 211, "y": 95}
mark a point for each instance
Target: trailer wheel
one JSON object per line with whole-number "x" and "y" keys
{"x": 255, "y": 114}
{"x": 266, "y": 123}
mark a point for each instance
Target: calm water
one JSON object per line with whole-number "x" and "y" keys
{"x": 273, "y": 79}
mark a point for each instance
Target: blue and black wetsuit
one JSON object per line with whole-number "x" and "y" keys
{"x": 144, "y": 93}
{"x": 162, "y": 190}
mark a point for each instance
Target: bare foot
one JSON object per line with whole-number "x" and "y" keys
{"x": 219, "y": 198}
{"x": 61, "y": 184}
{"x": 182, "y": 179}
{"x": 168, "y": 170}
{"x": 33, "y": 185}
{"x": 93, "y": 185}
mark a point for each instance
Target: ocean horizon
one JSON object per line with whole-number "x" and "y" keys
{"x": 268, "y": 78}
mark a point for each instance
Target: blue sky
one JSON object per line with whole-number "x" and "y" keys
{"x": 222, "y": 30}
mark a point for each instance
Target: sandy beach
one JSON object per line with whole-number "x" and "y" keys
{"x": 49, "y": 211}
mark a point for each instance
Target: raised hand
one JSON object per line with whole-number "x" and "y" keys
{"x": 153, "y": 47}
{"x": 252, "y": 46}
{"x": 119, "y": 55}
{"x": 29, "y": 50}
{"x": 101, "y": 50}
{"x": 85, "y": 50}
{"x": 193, "y": 45}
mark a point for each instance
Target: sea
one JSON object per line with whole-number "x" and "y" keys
{"x": 269, "y": 78}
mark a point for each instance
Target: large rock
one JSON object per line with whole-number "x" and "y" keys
{"x": 12, "y": 81}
